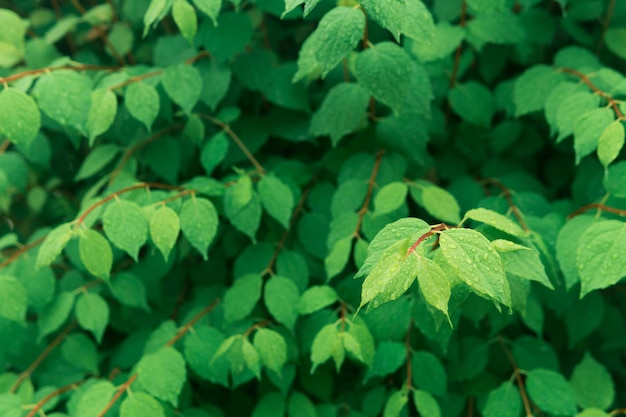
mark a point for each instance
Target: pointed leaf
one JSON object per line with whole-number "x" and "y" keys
{"x": 95, "y": 253}
{"x": 53, "y": 245}
{"x": 183, "y": 83}
{"x": 315, "y": 298}
{"x": 164, "y": 230}
{"x": 101, "y": 113}
{"x": 276, "y": 198}
{"x": 92, "y": 313}
{"x": 126, "y": 226}
{"x": 13, "y": 299}
{"x": 272, "y": 349}
{"x": 163, "y": 374}
{"x": 209, "y": 7}
{"x": 20, "y": 119}
{"x": 497, "y": 220}
{"x": 611, "y": 142}
{"x": 199, "y": 222}
{"x": 143, "y": 102}
{"x": 185, "y": 18}
{"x": 390, "y": 197}
{"x": 434, "y": 284}
{"x": 592, "y": 384}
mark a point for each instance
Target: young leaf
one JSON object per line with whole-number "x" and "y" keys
{"x": 342, "y": 112}
{"x": 395, "y": 404}
{"x": 315, "y": 298}
{"x": 209, "y": 7}
{"x": 276, "y": 198}
{"x": 199, "y": 222}
{"x": 164, "y": 230}
{"x": 242, "y": 206}
{"x": 425, "y": 404}
{"x": 126, "y": 226}
{"x": 272, "y": 349}
{"x": 497, "y": 220}
{"x": 129, "y": 290}
{"x": 141, "y": 404}
{"x": 473, "y": 103}
{"x": 390, "y": 198}
{"x": 96, "y": 160}
{"x": 13, "y": 299}
{"x": 95, "y": 253}
{"x": 20, "y": 119}
{"x": 53, "y": 245}
{"x": 611, "y": 142}
{"x": 327, "y": 343}
{"x": 592, "y": 384}
{"x": 101, "y": 113}
{"x": 251, "y": 358}
{"x": 92, "y": 313}
{"x": 143, "y": 103}
{"x": 437, "y": 201}
{"x": 434, "y": 284}
{"x": 163, "y": 374}
{"x": 503, "y": 401}
{"x": 281, "y": 299}
{"x": 55, "y": 314}
{"x": 240, "y": 299}
{"x": 522, "y": 261}
{"x": 183, "y": 83}
{"x": 477, "y": 263}
{"x": 185, "y": 18}
{"x": 551, "y": 392}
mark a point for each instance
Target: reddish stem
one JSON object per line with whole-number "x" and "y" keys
{"x": 585, "y": 80}
{"x": 52, "y": 395}
{"x": 368, "y": 196}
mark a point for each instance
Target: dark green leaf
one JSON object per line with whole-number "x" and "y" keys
{"x": 592, "y": 384}
{"x": 551, "y": 392}
{"x": 503, "y": 401}
{"x": 473, "y": 103}
{"x": 276, "y": 198}
{"x": 13, "y": 299}
{"x": 241, "y": 298}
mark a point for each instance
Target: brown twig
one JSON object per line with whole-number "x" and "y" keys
{"x": 598, "y": 206}
{"x": 605, "y": 25}
{"x": 183, "y": 330}
{"x": 508, "y": 196}
{"x": 407, "y": 346}
{"x": 585, "y": 80}
{"x": 518, "y": 376}
{"x": 618, "y": 411}
{"x": 368, "y": 196}
{"x": 344, "y": 313}
{"x": 226, "y": 128}
{"x": 4, "y": 146}
{"x": 126, "y": 385}
{"x": 434, "y": 229}
{"x": 254, "y": 327}
{"x": 459, "y": 49}
{"x": 43, "y": 355}
{"x": 52, "y": 395}
{"x": 15, "y": 255}
{"x": 40, "y": 71}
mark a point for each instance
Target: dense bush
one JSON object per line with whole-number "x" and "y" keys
{"x": 312, "y": 208}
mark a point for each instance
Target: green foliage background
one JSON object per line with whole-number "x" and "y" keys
{"x": 312, "y": 208}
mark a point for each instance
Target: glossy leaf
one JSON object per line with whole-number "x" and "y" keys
{"x": 95, "y": 253}
{"x": 142, "y": 102}
{"x": 271, "y": 348}
{"x": 101, "y": 113}
{"x": 164, "y": 230}
{"x": 199, "y": 222}
{"x": 126, "y": 226}
{"x": 162, "y": 374}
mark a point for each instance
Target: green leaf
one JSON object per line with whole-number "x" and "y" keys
{"x": 500, "y": 28}
{"x": 229, "y": 37}
{"x": 65, "y": 96}
{"x": 592, "y": 384}
{"x": 567, "y": 244}
{"x": 276, "y": 198}
{"x": 215, "y": 82}
{"x": 533, "y": 87}
{"x": 391, "y": 277}
{"x": 78, "y": 350}
{"x": 12, "y": 37}
{"x": 428, "y": 373}
{"x": 327, "y": 344}
{"x": 183, "y": 83}
{"x": 434, "y": 284}
{"x": 315, "y": 298}
{"x": 53, "y": 245}
{"x": 473, "y": 103}
{"x": 301, "y": 406}
{"x": 243, "y": 207}
{"x": 164, "y": 230}
{"x": 55, "y": 314}
{"x": 251, "y": 358}
{"x": 272, "y": 349}
{"x": 185, "y": 18}
{"x": 157, "y": 10}
{"x": 503, "y": 401}
{"x": 477, "y": 263}
{"x": 129, "y": 290}
{"x": 96, "y": 160}
{"x": 615, "y": 39}
{"x": 13, "y": 299}
{"x": 20, "y": 119}
{"x": 611, "y": 142}
{"x": 272, "y": 404}
{"x": 199, "y": 223}
{"x": 570, "y": 111}
{"x": 410, "y": 17}
{"x": 209, "y": 7}
{"x": 395, "y": 404}
{"x": 163, "y": 374}
{"x": 11, "y": 404}
{"x": 342, "y": 112}
{"x": 522, "y": 261}
{"x": 281, "y": 299}
{"x": 497, "y": 220}
{"x": 388, "y": 358}
{"x": 101, "y": 113}
{"x": 445, "y": 40}
{"x": 95, "y": 253}
{"x": 588, "y": 129}
{"x": 141, "y": 404}
{"x": 426, "y": 405}
{"x": 199, "y": 347}
{"x": 214, "y": 151}
{"x": 94, "y": 399}
{"x": 599, "y": 256}
{"x": 550, "y": 392}
{"x": 389, "y": 74}
{"x": 92, "y": 313}
{"x": 143, "y": 103}
{"x": 241, "y": 298}
{"x": 390, "y": 197}
{"x": 126, "y": 226}
{"x": 437, "y": 201}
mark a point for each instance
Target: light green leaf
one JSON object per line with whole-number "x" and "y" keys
{"x": 241, "y": 297}
{"x": 497, "y": 220}
{"x": 342, "y": 112}
{"x": 592, "y": 384}
{"x": 243, "y": 207}
{"x": 92, "y": 313}
{"x": 94, "y": 399}
{"x": 13, "y": 299}
{"x": 395, "y": 404}
{"x": 276, "y": 198}
{"x": 389, "y": 74}
{"x": 20, "y": 119}
{"x": 522, "y": 261}
{"x": 477, "y": 263}
{"x": 126, "y": 226}
{"x": 500, "y": 28}
{"x": 615, "y": 39}
{"x": 390, "y": 197}
{"x": 327, "y": 343}
{"x": 200, "y": 347}
{"x": 281, "y": 299}
{"x": 214, "y": 151}
{"x": 567, "y": 243}
{"x": 425, "y": 404}
{"x": 129, "y": 290}
{"x": 53, "y": 245}
{"x": 570, "y": 111}
{"x": 199, "y": 222}
{"x": 611, "y": 142}
{"x": 141, "y": 404}
{"x": 437, "y": 201}
{"x": 434, "y": 284}
{"x": 272, "y": 349}
{"x": 164, "y": 230}
{"x": 143, "y": 102}
{"x": 12, "y": 34}
{"x": 291, "y": 5}
{"x": 96, "y": 160}
{"x": 503, "y": 401}
{"x": 473, "y": 103}
{"x": 352, "y": 345}
{"x": 209, "y": 7}
{"x": 65, "y": 96}
{"x": 101, "y": 113}
{"x": 163, "y": 374}
{"x": 185, "y": 18}
{"x": 445, "y": 40}
{"x": 551, "y": 392}
{"x": 428, "y": 373}
{"x": 315, "y": 298}
{"x": 599, "y": 257}
{"x": 338, "y": 257}
{"x": 55, "y": 314}
{"x": 157, "y": 10}
{"x": 251, "y": 358}
{"x": 80, "y": 351}
{"x": 183, "y": 83}
{"x": 388, "y": 358}
{"x": 410, "y": 17}
{"x": 588, "y": 129}
{"x": 301, "y": 406}
{"x": 95, "y": 253}
{"x": 532, "y": 88}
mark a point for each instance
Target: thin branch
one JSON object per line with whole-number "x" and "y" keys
{"x": 459, "y": 49}
{"x": 508, "y": 196}
{"x": 370, "y": 190}
{"x": 183, "y": 330}
{"x": 585, "y": 80}
{"x": 598, "y": 206}
{"x": 43, "y": 355}
{"x": 52, "y": 395}
{"x": 407, "y": 346}
{"x": 118, "y": 394}
{"x": 254, "y": 327}
{"x": 518, "y": 377}
{"x": 434, "y": 229}
{"x": 226, "y": 128}
{"x": 40, "y": 71}
{"x": 4, "y": 146}
{"x": 605, "y": 25}
{"x": 15, "y": 255}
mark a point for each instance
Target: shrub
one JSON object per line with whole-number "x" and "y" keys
{"x": 312, "y": 208}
